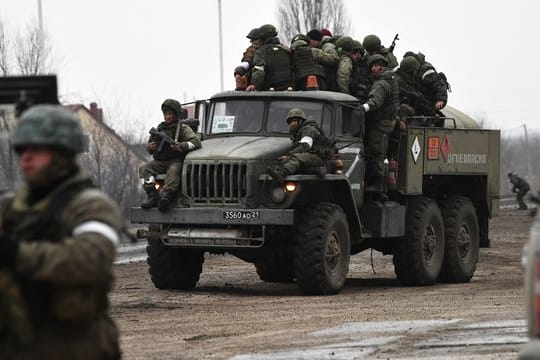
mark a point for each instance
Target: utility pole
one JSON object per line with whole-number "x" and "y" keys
{"x": 220, "y": 48}
{"x": 527, "y": 153}
{"x": 41, "y": 35}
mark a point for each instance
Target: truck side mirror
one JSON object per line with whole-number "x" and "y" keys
{"x": 357, "y": 123}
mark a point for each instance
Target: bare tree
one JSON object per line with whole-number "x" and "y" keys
{"x": 33, "y": 53}
{"x": 4, "y": 50}
{"x": 301, "y": 16}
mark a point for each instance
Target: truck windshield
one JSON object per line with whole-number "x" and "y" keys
{"x": 237, "y": 116}
{"x": 277, "y": 114}
{"x": 246, "y": 116}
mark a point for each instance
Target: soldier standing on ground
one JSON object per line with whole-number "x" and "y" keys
{"x": 381, "y": 112}
{"x": 310, "y": 147}
{"x": 58, "y": 235}
{"x": 271, "y": 63}
{"x": 520, "y": 187}
{"x": 169, "y": 159}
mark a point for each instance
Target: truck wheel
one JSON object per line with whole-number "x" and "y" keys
{"x": 276, "y": 269}
{"x": 175, "y": 269}
{"x": 462, "y": 240}
{"x": 419, "y": 255}
{"x": 322, "y": 249}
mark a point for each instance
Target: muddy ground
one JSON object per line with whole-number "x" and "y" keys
{"x": 231, "y": 312}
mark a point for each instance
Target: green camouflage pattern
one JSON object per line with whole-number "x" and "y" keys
{"x": 49, "y": 125}
{"x": 64, "y": 277}
{"x": 172, "y": 105}
{"x": 14, "y": 318}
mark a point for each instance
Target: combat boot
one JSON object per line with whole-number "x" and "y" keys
{"x": 277, "y": 173}
{"x": 152, "y": 196}
{"x": 165, "y": 200}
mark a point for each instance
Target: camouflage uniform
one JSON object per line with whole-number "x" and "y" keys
{"x": 428, "y": 81}
{"x": 520, "y": 187}
{"x": 353, "y": 74}
{"x": 330, "y": 60}
{"x": 310, "y": 148}
{"x": 381, "y": 108}
{"x": 65, "y": 232}
{"x": 170, "y": 159}
{"x": 271, "y": 62}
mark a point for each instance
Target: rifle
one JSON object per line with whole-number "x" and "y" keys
{"x": 393, "y": 45}
{"x": 164, "y": 138}
{"x": 420, "y": 104}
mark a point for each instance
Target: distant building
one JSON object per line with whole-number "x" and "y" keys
{"x": 109, "y": 160}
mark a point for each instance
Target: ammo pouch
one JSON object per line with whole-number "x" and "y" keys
{"x": 73, "y": 304}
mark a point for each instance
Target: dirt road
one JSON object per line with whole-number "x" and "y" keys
{"x": 234, "y": 315}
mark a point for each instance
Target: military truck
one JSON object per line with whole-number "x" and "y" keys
{"x": 434, "y": 217}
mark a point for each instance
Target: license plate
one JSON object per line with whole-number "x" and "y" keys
{"x": 241, "y": 215}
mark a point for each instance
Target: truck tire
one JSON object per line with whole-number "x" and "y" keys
{"x": 174, "y": 269}
{"x": 276, "y": 269}
{"x": 322, "y": 249}
{"x": 462, "y": 240}
{"x": 419, "y": 255}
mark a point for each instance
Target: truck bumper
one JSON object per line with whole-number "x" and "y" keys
{"x": 213, "y": 216}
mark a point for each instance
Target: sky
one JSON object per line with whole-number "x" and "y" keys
{"x": 130, "y": 56}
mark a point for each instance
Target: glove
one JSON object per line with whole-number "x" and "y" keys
{"x": 8, "y": 252}
{"x": 180, "y": 147}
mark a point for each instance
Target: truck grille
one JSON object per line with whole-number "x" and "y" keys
{"x": 223, "y": 183}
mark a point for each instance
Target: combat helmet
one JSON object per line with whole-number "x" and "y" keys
{"x": 267, "y": 31}
{"x": 372, "y": 59}
{"x": 409, "y": 65}
{"x": 172, "y": 105}
{"x": 345, "y": 43}
{"x": 299, "y": 40}
{"x": 372, "y": 43}
{"x": 295, "y": 113}
{"x": 357, "y": 45}
{"x": 253, "y": 34}
{"x": 51, "y": 126}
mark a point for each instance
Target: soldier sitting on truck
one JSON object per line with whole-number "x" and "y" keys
{"x": 520, "y": 187}
{"x": 169, "y": 145}
{"x": 311, "y": 148}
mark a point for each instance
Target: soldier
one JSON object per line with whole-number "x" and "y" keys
{"x": 169, "y": 159}
{"x": 271, "y": 63}
{"x": 372, "y": 44}
{"x": 429, "y": 82}
{"x": 305, "y": 62}
{"x": 242, "y": 73}
{"x": 255, "y": 42}
{"x": 241, "y": 78}
{"x": 310, "y": 147}
{"x": 520, "y": 187}
{"x": 353, "y": 74}
{"x": 381, "y": 111}
{"x": 58, "y": 235}
{"x": 412, "y": 101}
{"x": 330, "y": 60}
